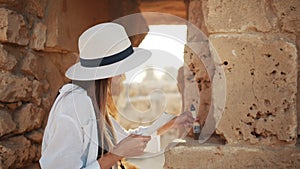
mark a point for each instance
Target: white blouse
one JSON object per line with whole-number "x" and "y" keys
{"x": 71, "y": 139}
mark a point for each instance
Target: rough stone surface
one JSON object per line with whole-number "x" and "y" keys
{"x": 35, "y": 136}
{"x": 14, "y": 88}
{"x": 239, "y": 16}
{"x": 197, "y": 78}
{"x": 33, "y": 65}
{"x": 7, "y": 61}
{"x": 17, "y": 152}
{"x": 298, "y": 93}
{"x": 35, "y": 7}
{"x": 261, "y": 75}
{"x": 197, "y": 19}
{"x": 13, "y": 27}
{"x": 38, "y": 38}
{"x": 192, "y": 155}
{"x": 28, "y": 118}
{"x": 288, "y": 13}
{"x": 7, "y": 125}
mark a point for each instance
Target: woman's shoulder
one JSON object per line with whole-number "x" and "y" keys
{"x": 75, "y": 102}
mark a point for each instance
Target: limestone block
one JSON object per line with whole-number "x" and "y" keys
{"x": 288, "y": 12}
{"x": 238, "y": 16}
{"x": 36, "y": 7}
{"x": 7, "y": 125}
{"x": 38, "y": 38}
{"x": 14, "y": 88}
{"x": 7, "y": 61}
{"x": 29, "y": 117}
{"x": 17, "y": 152}
{"x": 261, "y": 76}
{"x": 215, "y": 156}
{"x": 33, "y": 65}
{"x": 13, "y": 27}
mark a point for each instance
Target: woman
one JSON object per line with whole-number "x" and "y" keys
{"x": 80, "y": 132}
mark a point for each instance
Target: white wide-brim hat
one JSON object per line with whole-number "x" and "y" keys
{"x": 105, "y": 51}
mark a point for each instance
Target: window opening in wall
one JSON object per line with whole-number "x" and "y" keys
{"x": 153, "y": 88}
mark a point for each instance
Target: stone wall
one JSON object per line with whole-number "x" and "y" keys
{"x": 38, "y": 42}
{"x": 258, "y": 44}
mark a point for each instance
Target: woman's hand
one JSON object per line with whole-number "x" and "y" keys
{"x": 184, "y": 120}
{"x": 132, "y": 145}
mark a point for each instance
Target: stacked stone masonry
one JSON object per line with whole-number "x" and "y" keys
{"x": 38, "y": 42}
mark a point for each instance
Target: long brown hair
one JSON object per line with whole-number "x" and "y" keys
{"x": 100, "y": 93}
{"x": 106, "y": 107}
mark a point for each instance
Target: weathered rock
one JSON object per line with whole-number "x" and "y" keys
{"x": 7, "y": 61}
{"x": 288, "y": 13}
{"x": 14, "y": 88}
{"x": 36, "y": 7}
{"x": 14, "y": 106}
{"x": 7, "y": 157}
{"x": 33, "y": 65}
{"x": 17, "y": 152}
{"x": 36, "y": 92}
{"x": 35, "y": 136}
{"x": 238, "y": 16}
{"x": 13, "y": 27}
{"x": 33, "y": 166}
{"x": 28, "y": 118}
{"x": 193, "y": 155}
{"x": 38, "y": 38}
{"x": 7, "y": 125}
{"x": 198, "y": 75}
{"x": 261, "y": 76}
{"x": 197, "y": 19}
{"x": 298, "y": 93}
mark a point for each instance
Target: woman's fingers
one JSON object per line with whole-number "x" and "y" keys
{"x": 132, "y": 145}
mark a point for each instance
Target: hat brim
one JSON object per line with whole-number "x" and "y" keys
{"x": 78, "y": 72}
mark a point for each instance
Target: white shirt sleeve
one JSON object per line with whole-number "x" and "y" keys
{"x": 64, "y": 146}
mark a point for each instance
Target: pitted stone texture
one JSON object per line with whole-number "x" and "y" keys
{"x": 18, "y": 152}
{"x": 28, "y": 118}
{"x": 7, "y": 125}
{"x": 13, "y": 27}
{"x": 195, "y": 74}
{"x": 7, "y": 61}
{"x": 14, "y": 88}
{"x": 38, "y": 38}
{"x": 288, "y": 12}
{"x": 261, "y": 75}
{"x": 214, "y": 156}
{"x": 238, "y": 16}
